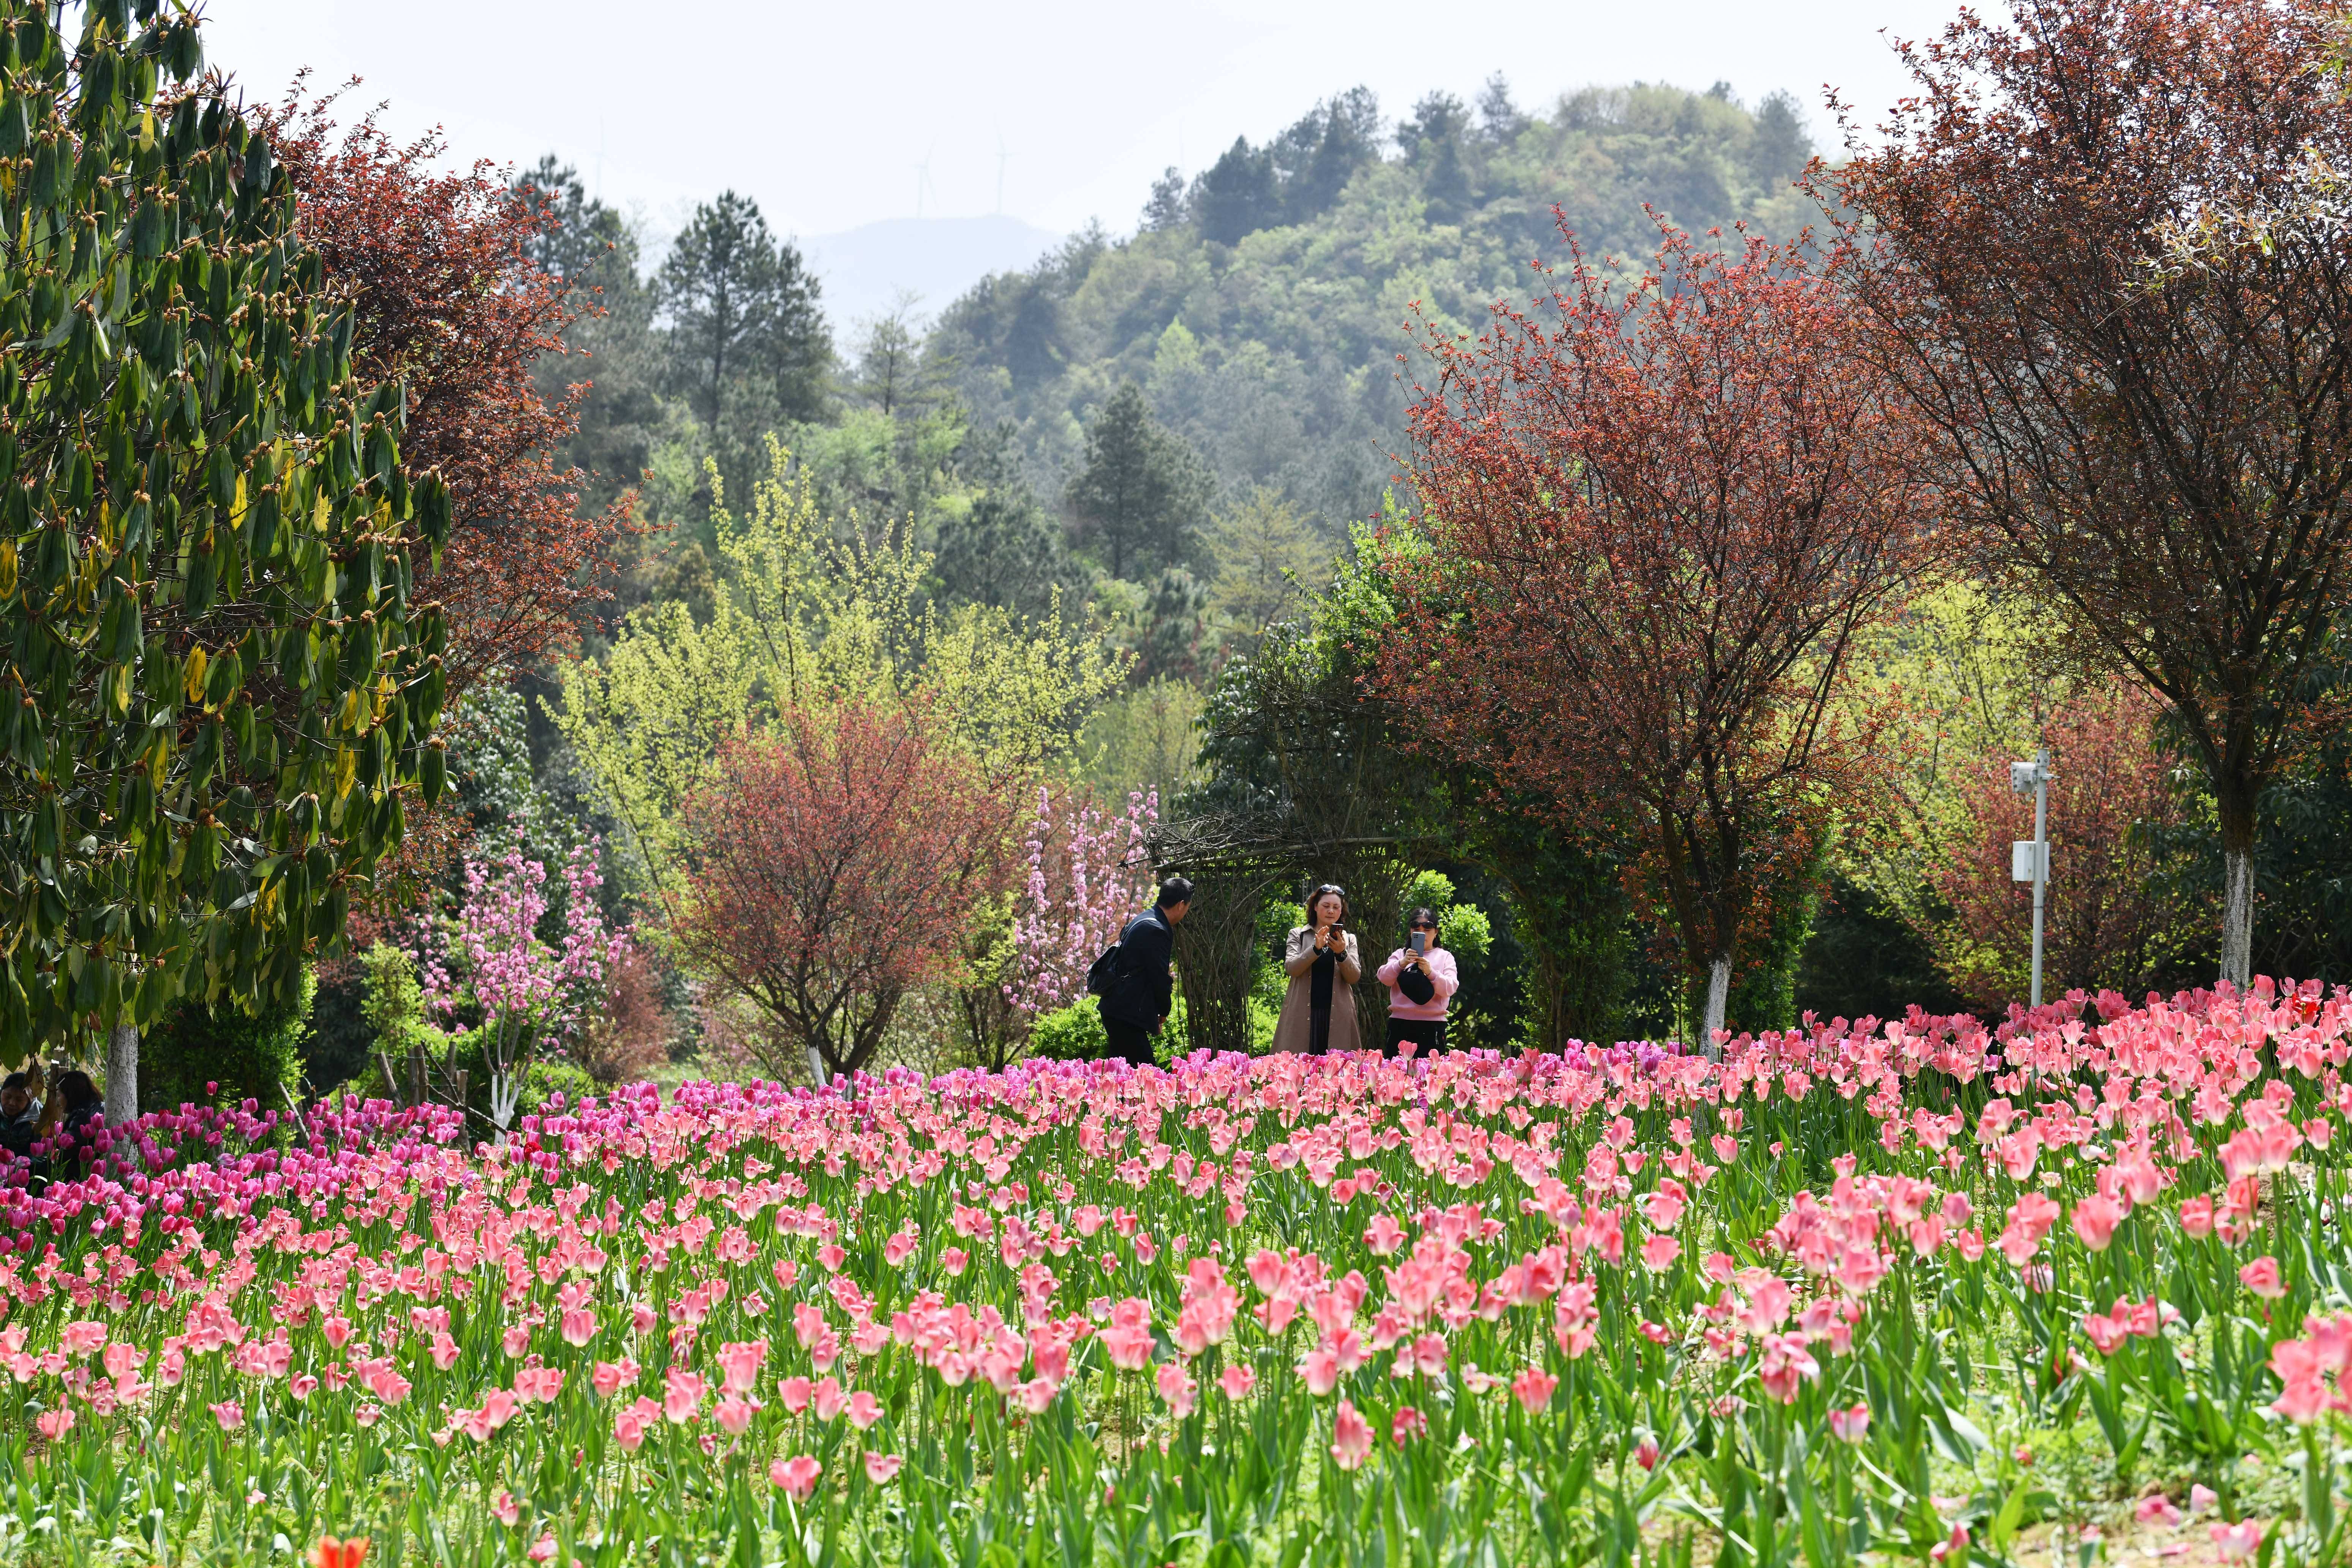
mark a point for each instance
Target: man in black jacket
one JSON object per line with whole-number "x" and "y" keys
{"x": 1136, "y": 1003}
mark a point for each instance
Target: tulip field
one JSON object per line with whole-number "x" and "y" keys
{"x": 2072, "y": 1287}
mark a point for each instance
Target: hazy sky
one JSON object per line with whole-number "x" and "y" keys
{"x": 833, "y": 115}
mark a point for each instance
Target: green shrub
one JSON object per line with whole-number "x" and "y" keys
{"x": 1465, "y": 929}
{"x": 1071, "y": 1034}
{"x": 544, "y": 1078}
{"x": 201, "y": 1055}
{"x": 1076, "y": 1033}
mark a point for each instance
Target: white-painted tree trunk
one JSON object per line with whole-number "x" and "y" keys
{"x": 816, "y": 1066}
{"x": 506, "y": 1096}
{"x": 122, "y": 1074}
{"x": 1718, "y": 997}
{"x": 2237, "y": 916}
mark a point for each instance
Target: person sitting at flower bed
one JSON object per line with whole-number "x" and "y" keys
{"x": 1422, "y": 980}
{"x": 1319, "y": 1011}
{"x": 63, "y": 1133}
{"x": 19, "y": 1117}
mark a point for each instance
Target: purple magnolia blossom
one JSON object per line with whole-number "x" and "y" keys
{"x": 532, "y": 994}
{"x": 1087, "y": 871}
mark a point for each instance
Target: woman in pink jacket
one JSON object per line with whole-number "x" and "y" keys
{"x": 1422, "y": 979}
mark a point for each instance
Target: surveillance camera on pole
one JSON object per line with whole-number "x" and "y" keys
{"x": 2029, "y": 859}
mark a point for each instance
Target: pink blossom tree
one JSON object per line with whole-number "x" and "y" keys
{"x": 1087, "y": 871}
{"x": 532, "y": 994}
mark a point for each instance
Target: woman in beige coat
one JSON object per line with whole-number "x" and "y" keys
{"x": 1319, "y": 1011}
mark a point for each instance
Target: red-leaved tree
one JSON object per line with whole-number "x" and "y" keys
{"x": 446, "y": 300}
{"x": 1656, "y": 524}
{"x": 2110, "y": 921}
{"x": 2133, "y": 342}
{"x": 832, "y": 867}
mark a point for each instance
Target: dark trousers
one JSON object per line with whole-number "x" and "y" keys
{"x": 1427, "y": 1034}
{"x": 1129, "y": 1042}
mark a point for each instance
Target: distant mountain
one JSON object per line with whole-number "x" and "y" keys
{"x": 865, "y": 269}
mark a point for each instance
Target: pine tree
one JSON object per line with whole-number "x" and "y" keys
{"x": 748, "y": 344}
{"x": 1238, "y": 195}
{"x": 1144, "y": 494}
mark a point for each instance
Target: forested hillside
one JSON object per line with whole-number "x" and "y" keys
{"x": 1265, "y": 301}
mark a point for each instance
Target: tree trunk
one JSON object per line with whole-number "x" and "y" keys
{"x": 122, "y": 1074}
{"x": 816, "y": 1065}
{"x": 2238, "y": 915}
{"x": 1216, "y": 957}
{"x": 1718, "y": 997}
{"x": 2237, "y": 814}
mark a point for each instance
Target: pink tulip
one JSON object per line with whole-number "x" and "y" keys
{"x": 797, "y": 1477}
{"x": 1178, "y": 1388}
{"x": 1659, "y": 1252}
{"x": 1351, "y": 1437}
{"x": 1533, "y": 1389}
{"x": 229, "y": 1413}
{"x": 2095, "y": 1218}
{"x": 2237, "y": 1541}
{"x": 2261, "y": 1276}
{"x": 741, "y": 1364}
{"x": 734, "y": 1415}
{"x": 882, "y": 1468}
{"x": 1850, "y": 1425}
{"x": 682, "y": 1395}
{"x": 629, "y": 1428}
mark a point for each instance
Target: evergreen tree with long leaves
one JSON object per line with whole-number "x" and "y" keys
{"x": 215, "y": 692}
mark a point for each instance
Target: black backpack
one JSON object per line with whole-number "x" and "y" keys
{"x": 1103, "y": 973}
{"x": 1417, "y": 987}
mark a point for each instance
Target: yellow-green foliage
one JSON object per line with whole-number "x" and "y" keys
{"x": 809, "y": 612}
{"x": 1962, "y": 662}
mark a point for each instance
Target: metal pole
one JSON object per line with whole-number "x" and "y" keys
{"x": 2041, "y": 859}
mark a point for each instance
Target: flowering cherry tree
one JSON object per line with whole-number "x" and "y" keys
{"x": 530, "y": 991}
{"x": 1087, "y": 870}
